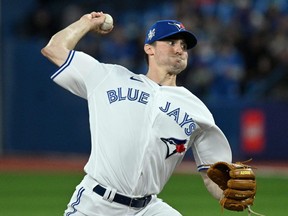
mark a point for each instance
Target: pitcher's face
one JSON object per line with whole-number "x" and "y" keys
{"x": 171, "y": 54}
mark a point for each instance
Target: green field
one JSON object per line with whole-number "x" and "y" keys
{"x": 47, "y": 194}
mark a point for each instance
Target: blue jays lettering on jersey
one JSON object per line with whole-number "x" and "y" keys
{"x": 129, "y": 94}
{"x": 175, "y": 114}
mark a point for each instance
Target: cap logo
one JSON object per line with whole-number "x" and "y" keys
{"x": 165, "y": 29}
{"x": 151, "y": 34}
{"x": 179, "y": 26}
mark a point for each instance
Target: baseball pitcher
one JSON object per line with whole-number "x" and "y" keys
{"x": 142, "y": 125}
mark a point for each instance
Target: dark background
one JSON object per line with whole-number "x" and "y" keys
{"x": 238, "y": 67}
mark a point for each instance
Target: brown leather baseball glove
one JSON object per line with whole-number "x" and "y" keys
{"x": 237, "y": 182}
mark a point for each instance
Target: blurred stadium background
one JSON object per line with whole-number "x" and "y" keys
{"x": 239, "y": 69}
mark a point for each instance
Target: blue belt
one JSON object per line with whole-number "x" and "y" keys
{"x": 124, "y": 200}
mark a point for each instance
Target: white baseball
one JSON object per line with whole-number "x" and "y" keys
{"x": 108, "y": 23}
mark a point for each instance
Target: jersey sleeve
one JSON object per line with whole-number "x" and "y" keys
{"x": 209, "y": 147}
{"x": 80, "y": 73}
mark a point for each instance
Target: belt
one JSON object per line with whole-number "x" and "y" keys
{"x": 124, "y": 200}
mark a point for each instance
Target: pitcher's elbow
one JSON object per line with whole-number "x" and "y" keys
{"x": 45, "y": 51}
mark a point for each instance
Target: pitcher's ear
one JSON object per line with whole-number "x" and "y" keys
{"x": 148, "y": 49}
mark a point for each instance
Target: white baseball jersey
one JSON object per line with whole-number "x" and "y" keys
{"x": 140, "y": 130}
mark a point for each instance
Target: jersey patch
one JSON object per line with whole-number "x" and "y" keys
{"x": 174, "y": 146}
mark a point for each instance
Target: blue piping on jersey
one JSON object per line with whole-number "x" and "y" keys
{"x": 77, "y": 202}
{"x": 203, "y": 167}
{"x": 65, "y": 65}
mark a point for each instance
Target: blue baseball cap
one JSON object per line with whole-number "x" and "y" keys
{"x": 168, "y": 28}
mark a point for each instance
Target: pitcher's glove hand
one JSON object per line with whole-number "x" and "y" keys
{"x": 237, "y": 182}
